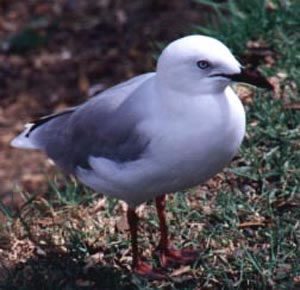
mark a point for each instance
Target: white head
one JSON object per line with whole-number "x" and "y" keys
{"x": 196, "y": 65}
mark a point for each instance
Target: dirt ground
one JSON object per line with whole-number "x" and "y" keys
{"x": 52, "y": 54}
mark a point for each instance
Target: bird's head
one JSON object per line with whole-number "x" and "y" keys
{"x": 199, "y": 64}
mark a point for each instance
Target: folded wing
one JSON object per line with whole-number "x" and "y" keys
{"x": 99, "y": 127}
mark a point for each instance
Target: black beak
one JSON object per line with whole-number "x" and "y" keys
{"x": 252, "y": 77}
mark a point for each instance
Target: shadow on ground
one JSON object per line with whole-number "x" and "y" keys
{"x": 63, "y": 272}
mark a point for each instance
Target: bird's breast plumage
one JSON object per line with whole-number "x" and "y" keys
{"x": 188, "y": 145}
{"x": 202, "y": 141}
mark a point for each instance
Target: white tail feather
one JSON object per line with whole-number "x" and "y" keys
{"x": 22, "y": 141}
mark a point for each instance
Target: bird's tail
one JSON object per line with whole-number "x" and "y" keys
{"x": 33, "y": 136}
{"x": 23, "y": 140}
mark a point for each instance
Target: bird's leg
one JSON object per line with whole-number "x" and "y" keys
{"x": 164, "y": 235}
{"x": 168, "y": 254}
{"x": 140, "y": 267}
{"x": 133, "y": 220}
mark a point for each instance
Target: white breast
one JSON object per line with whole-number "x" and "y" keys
{"x": 196, "y": 145}
{"x": 188, "y": 146}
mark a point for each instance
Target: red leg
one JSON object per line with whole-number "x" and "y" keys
{"x": 133, "y": 220}
{"x": 169, "y": 255}
{"x": 160, "y": 207}
{"x": 140, "y": 267}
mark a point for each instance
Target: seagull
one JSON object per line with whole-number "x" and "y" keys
{"x": 155, "y": 134}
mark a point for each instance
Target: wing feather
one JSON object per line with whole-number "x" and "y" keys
{"x": 99, "y": 128}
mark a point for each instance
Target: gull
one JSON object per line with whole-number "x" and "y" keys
{"x": 155, "y": 134}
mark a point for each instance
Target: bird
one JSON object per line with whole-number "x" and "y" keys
{"x": 154, "y": 134}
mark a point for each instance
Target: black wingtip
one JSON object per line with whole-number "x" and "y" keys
{"x": 41, "y": 121}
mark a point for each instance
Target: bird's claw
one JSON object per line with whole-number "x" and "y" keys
{"x": 171, "y": 256}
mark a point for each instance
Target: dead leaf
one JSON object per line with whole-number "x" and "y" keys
{"x": 245, "y": 93}
{"x": 285, "y": 204}
{"x": 123, "y": 206}
{"x": 207, "y": 210}
{"x": 275, "y": 82}
{"x": 84, "y": 283}
{"x": 297, "y": 279}
{"x": 83, "y": 82}
{"x": 271, "y": 6}
{"x": 140, "y": 210}
{"x": 180, "y": 271}
{"x": 258, "y": 52}
{"x": 256, "y": 44}
{"x": 122, "y": 224}
{"x": 251, "y": 224}
{"x": 292, "y": 106}
{"x": 31, "y": 182}
{"x": 92, "y": 260}
{"x": 100, "y": 205}
{"x": 270, "y": 61}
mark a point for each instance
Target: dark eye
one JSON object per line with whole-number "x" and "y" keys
{"x": 203, "y": 64}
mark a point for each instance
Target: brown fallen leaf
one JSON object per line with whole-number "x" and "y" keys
{"x": 258, "y": 52}
{"x": 297, "y": 279}
{"x": 271, "y": 6}
{"x": 93, "y": 260}
{"x": 33, "y": 181}
{"x": 83, "y": 82}
{"x": 84, "y": 283}
{"x": 99, "y": 206}
{"x": 270, "y": 61}
{"x": 180, "y": 271}
{"x": 245, "y": 93}
{"x": 122, "y": 224}
{"x": 292, "y": 106}
{"x": 253, "y": 44}
{"x": 252, "y": 224}
{"x": 285, "y": 204}
{"x": 275, "y": 82}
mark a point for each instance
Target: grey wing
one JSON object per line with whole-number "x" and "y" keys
{"x": 124, "y": 89}
{"x": 101, "y": 133}
{"x": 100, "y": 127}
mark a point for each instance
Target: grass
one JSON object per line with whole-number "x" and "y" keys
{"x": 245, "y": 220}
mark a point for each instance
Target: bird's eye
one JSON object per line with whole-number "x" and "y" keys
{"x": 203, "y": 64}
